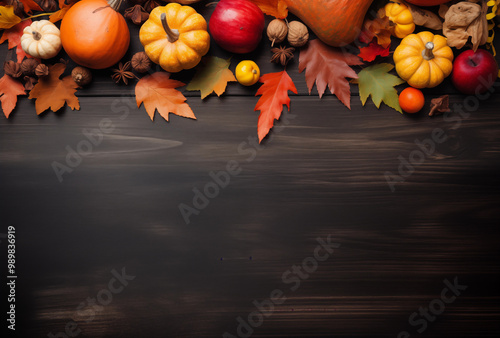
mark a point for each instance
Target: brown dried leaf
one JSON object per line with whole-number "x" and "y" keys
{"x": 440, "y": 105}
{"x": 464, "y": 20}
{"x": 423, "y": 17}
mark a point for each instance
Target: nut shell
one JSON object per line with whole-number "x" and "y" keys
{"x": 298, "y": 34}
{"x": 81, "y": 75}
{"x": 277, "y": 31}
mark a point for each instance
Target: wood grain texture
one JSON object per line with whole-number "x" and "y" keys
{"x": 323, "y": 174}
{"x": 320, "y": 174}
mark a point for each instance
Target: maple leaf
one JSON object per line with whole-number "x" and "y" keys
{"x": 378, "y": 28}
{"x": 7, "y": 17}
{"x": 30, "y": 5}
{"x": 157, "y": 92}
{"x": 64, "y": 7}
{"x": 14, "y": 34}
{"x": 9, "y": 90}
{"x": 213, "y": 76}
{"x": 328, "y": 66}
{"x": 274, "y": 93}
{"x": 276, "y": 8}
{"x": 373, "y": 50}
{"x": 375, "y": 81}
{"x": 52, "y": 92}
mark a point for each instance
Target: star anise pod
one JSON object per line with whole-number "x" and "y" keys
{"x": 282, "y": 55}
{"x": 48, "y": 5}
{"x": 149, "y": 5}
{"x": 136, "y": 14}
{"x": 122, "y": 73}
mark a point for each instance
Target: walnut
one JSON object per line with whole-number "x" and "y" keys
{"x": 298, "y": 35}
{"x": 277, "y": 31}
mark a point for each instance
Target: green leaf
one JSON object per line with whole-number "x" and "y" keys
{"x": 213, "y": 76}
{"x": 376, "y": 81}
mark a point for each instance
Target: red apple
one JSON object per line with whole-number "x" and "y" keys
{"x": 237, "y": 25}
{"x": 474, "y": 73}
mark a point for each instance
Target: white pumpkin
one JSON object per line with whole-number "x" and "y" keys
{"x": 42, "y": 39}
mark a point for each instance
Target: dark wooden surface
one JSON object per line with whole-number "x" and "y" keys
{"x": 321, "y": 175}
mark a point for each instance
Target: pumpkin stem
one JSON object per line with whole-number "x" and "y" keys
{"x": 115, "y": 4}
{"x": 172, "y": 34}
{"x": 427, "y": 52}
{"x": 36, "y": 35}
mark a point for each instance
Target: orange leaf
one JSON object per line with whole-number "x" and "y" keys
{"x": 14, "y": 36}
{"x": 379, "y": 28}
{"x": 52, "y": 92}
{"x": 30, "y": 5}
{"x": 60, "y": 13}
{"x": 373, "y": 50}
{"x": 276, "y": 8}
{"x": 274, "y": 93}
{"x": 157, "y": 92}
{"x": 9, "y": 90}
{"x": 327, "y": 65}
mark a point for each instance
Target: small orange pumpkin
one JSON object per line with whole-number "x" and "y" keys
{"x": 94, "y": 34}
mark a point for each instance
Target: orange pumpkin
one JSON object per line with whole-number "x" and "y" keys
{"x": 335, "y": 22}
{"x": 94, "y": 34}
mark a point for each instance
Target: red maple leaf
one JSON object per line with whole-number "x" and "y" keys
{"x": 373, "y": 50}
{"x": 274, "y": 93}
{"x": 328, "y": 66}
{"x": 14, "y": 34}
{"x": 30, "y": 5}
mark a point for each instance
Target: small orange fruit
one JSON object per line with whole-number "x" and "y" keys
{"x": 411, "y": 100}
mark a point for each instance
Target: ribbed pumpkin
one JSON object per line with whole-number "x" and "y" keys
{"x": 175, "y": 37}
{"x": 402, "y": 19}
{"x": 94, "y": 34}
{"x": 335, "y": 22}
{"x": 42, "y": 39}
{"x": 423, "y": 59}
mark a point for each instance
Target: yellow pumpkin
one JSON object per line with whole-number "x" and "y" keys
{"x": 175, "y": 37}
{"x": 401, "y": 19}
{"x": 424, "y": 60}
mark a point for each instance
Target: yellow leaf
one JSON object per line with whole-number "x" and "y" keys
{"x": 7, "y": 17}
{"x": 276, "y": 8}
{"x": 213, "y": 76}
